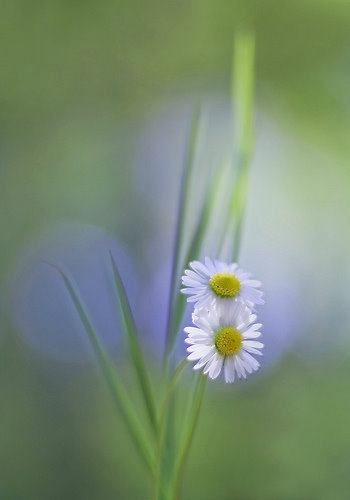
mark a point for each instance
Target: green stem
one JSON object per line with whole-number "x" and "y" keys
{"x": 189, "y": 433}
{"x": 242, "y": 95}
{"x": 160, "y": 488}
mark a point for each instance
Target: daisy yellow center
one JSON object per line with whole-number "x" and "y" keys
{"x": 228, "y": 341}
{"x": 225, "y": 285}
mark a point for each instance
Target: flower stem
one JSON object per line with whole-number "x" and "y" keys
{"x": 160, "y": 488}
{"x": 189, "y": 432}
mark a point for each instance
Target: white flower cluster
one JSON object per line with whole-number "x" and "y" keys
{"x": 225, "y": 332}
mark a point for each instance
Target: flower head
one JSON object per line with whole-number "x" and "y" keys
{"x": 224, "y": 339}
{"x": 217, "y": 282}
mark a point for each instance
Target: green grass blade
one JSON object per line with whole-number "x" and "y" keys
{"x": 116, "y": 388}
{"x": 242, "y": 97}
{"x": 179, "y": 235}
{"x": 237, "y": 210}
{"x": 205, "y": 216}
{"x": 208, "y": 210}
{"x": 134, "y": 346}
{"x": 171, "y": 387}
{"x": 242, "y": 89}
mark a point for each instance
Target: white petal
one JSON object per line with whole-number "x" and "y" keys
{"x": 195, "y": 276}
{"x": 250, "y": 334}
{"x": 192, "y": 329}
{"x": 187, "y": 291}
{"x": 221, "y": 267}
{"x": 232, "y": 268}
{"x": 187, "y": 281}
{"x": 246, "y": 366}
{"x": 199, "y": 340}
{"x": 209, "y": 263}
{"x": 200, "y": 268}
{"x": 239, "y": 368}
{"x": 206, "y": 299}
{"x": 229, "y": 370}
{"x": 252, "y": 319}
{"x": 250, "y": 360}
{"x": 214, "y": 367}
{"x": 200, "y": 349}
{"x": 198, "y": 352}
{"x": 251, "y": 294}
{"x": 252, "y": 350}
{"x": 253, "y": 343}
{"x": 253, "y": 283}
{"x": 205, "y": 359}
{"x": 242, "y": 275}
{"x": 202, "y": 323}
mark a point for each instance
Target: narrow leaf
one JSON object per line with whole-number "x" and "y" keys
{"x": 134, "y": 346}
{"x": 116, "y": 388}
{"x": 242, "y": 82}
{"x": 242, "y": 108}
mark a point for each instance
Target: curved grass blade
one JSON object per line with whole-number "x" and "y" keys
{"x": 208, "y": 209}
{"x": 134, "y": 346}
{"x": 116, "y": 388}
{"x": 179, "y": 235}
{"x": 197, "y": 239}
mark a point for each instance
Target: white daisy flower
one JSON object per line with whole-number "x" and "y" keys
{"x": 224, "y": 338}
{"x": 218, "y": 282}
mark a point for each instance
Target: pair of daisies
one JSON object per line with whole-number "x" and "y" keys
{"x": 225, "y": 332}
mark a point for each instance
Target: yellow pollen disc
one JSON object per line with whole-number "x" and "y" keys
{"x": 228, "y": 341}
{"x": 225, "y": 285}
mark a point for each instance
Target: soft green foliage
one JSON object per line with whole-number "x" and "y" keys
{"x": 171, "y": 448}
{"x": 79, "y": 80}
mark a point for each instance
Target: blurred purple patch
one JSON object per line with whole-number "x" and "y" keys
{"x": 42, "y": 310}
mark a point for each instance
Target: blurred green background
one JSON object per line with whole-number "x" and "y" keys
{"x": 96, "y": 99}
